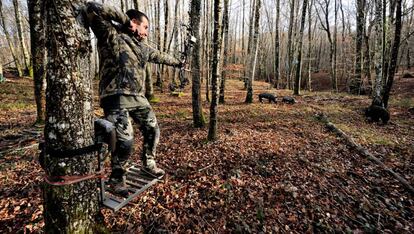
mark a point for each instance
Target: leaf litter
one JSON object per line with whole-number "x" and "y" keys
{"x": 274, "y": 168}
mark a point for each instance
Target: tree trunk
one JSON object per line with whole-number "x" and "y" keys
{"x": 367, "y": 56}
{"x": 37, "y": 35}
{"x": 355, "y": 84}
{"x": 136, "y": 4}
{"x": 8, "y": 39}
{"x": 159, "y": 82}
{"x": 149, "y": 90}
{"x": 212, "y": 131}
{"x": 378, "y": 48}
{"x": 247, "y": 59}
{"x": 69, "y": 112}
{"x": 207, "y": 49}
{"x": 334, "y": 45}
{"x": 394, "y": 53}
{"x": 332, "y": 41}
{"x": 277, "y": 47}
{"x": 309, "y": 82}
{"x": 298, "y": 75}
{"x": 26, "y": 56}
{"x": 254, "y": 43}
{"x": 226, "y": 49}
{"x": 122, "y": 5}
{"x": 289, "y": 44}
{"x": 198, "y": 116}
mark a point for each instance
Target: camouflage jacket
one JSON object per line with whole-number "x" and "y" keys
{"x": 122, "y": 57}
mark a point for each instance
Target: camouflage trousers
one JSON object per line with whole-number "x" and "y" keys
{"x": 144, "y": 116}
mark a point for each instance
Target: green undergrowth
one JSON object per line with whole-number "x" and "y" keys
{"x": 15, "y": 106}
{"x": 366, "y": 135}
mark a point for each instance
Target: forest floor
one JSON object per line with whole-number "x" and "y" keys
{"x": 275, "y": 167}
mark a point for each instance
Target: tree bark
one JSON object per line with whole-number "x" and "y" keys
{"x": 226, "y": 49}
{"x": 69, "y": 112}
{"x": 37, "y": 36}
{"x": 136, "y": 5}
{"x": 379, "y": 44}
{"x": 8, "y": 39}
{"x": 157, "y": 39}
{"x": 355, "y": 84}
{"x": 326, "y": 27}
{"x": 149, "y": 90}
{"x": 207, "y": 48}
{"x": 335, "y": 37}
{"x": 198, "y": 116}
{"x": 159, "y": 82}
{"x": 394, "y": 53}
{"x": 254, "y": 43}
{"x": 277, "y": 47}
{"x": 298, "y": 75}
{"x": 217, "y": 40}
{"x": 289, "y": 63}
{"x": 309, "y": 82}
{"x": 26, "y": 56}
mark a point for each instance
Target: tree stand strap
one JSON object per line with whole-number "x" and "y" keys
{"x": 68, "y": 180}
{"x": 69, "y": 153}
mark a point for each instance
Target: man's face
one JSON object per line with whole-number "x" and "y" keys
{"x": 140, "y": 29}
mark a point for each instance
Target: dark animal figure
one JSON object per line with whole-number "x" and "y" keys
{"x": 288, "y": 100}
{"x": 365, "y": 90}
{"x": 268, "y": 96}
{"x": 408, "y": 75}
{"x": 375, "y": 113}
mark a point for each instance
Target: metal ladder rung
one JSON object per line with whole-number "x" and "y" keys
{"x": 112, "y": 201}
{"x": 139, "y": 173}
{"x": 137, "y": 183}
{"x": 134, "y": 185}
{"x": 132, "y": 189}
{"x": 137, "y": 179}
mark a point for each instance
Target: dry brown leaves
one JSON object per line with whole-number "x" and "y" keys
{"x": 273, "y": 169}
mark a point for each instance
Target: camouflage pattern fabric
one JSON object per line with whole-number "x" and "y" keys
{"x": 144, "y": 116}
{"x": 122, "y": 56}
{"x": 122, "y": 73}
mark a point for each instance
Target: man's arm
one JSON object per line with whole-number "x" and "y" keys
{"x": 156, "y": 56}
{"x": 100, "y": 17}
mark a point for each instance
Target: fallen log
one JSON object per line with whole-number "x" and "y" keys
{"x": 361, "y": 150}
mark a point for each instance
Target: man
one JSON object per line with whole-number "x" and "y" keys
{"x": 123, "y": 56}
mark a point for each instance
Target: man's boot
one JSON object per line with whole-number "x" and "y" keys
{"x": 119, "y": 186}
{"x": 150, "y": 167}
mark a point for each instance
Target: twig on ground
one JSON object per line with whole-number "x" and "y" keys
{"x": 19, "y": 149}
{"x": 205, "y": 168}
{"x": 322, "y": 117}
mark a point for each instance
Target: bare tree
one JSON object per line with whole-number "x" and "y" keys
{"x": 324, "y": 7}
{"x": 394, "y": 53}
{"x": 69, "y": 208}
{"x": 253, "y": 44}
{"x": 355, "y": 84}
{"x": 9, "y": 41}
{"x": 37, "y": 36}
{"x": 225, "y": 33}
{"x": 198, "y": 116}
{"x": 217, "y": 40}
{"x": 299, "y": 56}
{"x": 19, "y": 24}
{"x": 277, "y": 46}
{"x": 310, "y": 59}
{"x": 379, "y": 44}
{"x": 289, "y": 63}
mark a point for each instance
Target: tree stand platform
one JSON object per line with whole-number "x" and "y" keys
{"x": 137, "y": 182}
